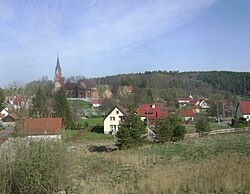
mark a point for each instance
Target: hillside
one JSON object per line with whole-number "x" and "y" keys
{"x": 199, "y": 83}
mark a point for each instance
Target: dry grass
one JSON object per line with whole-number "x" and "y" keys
{"x": 226, "y": 173}
{"x": 218, "y": 164}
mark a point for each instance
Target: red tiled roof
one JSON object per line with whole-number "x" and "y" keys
{"x": 152, "y": 112}
{"x": 245, "y": 107}
{"x": 42, "y": 126}
{"x": 186, "y": 113}
{"x": 14, "y": 116}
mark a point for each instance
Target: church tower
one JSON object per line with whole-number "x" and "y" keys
{"x": 58, "y": 76}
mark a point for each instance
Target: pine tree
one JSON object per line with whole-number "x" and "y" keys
{"x": 62, "y": 110}
{"x": 202, "y": 125}
{"x": 131, "y": 133}
{"x": 38, "y": 109}
{"x": 1, "y": 99}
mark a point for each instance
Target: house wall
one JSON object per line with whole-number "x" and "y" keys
{"x": 247, "y": 117}
{"x": 239, "y": 113}
{"x": 112, "y": 121}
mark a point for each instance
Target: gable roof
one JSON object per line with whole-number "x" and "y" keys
{"x": 245, "y": 107}
{"x": 152, "y": 111}
{"x": 42, "y": 126}
{"x": 122, "y": 110}
{"x": 186, "y": 113}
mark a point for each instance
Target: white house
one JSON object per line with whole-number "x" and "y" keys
{"x": 114, "y": 119}
{"x": 243, "y": 110}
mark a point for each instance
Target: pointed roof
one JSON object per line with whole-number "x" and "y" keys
{"x": 245, "y": 107}
{"x": 58, "y": 67}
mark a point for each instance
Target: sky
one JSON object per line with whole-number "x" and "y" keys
{"x": 106, "y": 37}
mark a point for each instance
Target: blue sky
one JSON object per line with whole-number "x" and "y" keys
{"x": 105, "y": 37}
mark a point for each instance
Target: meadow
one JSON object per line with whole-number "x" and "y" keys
{"x": 214, "y": 164}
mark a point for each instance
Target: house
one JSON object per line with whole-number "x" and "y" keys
{"x": 151, "y": 112}
{"x": 42, "y": 127}
{"x": 96, "y": 102}
{"x": 243, "y": 110}
{"x": 113, "y": 119}
{"x": 8, "y": 121}
{"x": 5, "y": 112}
{"x": 187, "y": 115}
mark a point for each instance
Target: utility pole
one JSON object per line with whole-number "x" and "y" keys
{"x": 218, "y": 113}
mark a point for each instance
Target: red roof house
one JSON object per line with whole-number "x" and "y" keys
{"x": 151, "y": 112}
{"x": 243, "y": 110}
{"x": 186, "y": 114}
{"x": 42, "y": 126}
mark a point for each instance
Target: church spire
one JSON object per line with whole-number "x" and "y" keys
{"x": 58, "y": 75}
{"x": 58, "y": 67}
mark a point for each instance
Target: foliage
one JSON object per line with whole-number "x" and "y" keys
{"x": 32, "y": 167}
{"x": 131, "y": 133}
{"x": 240, "y": 123}
{"x": 150, "y": 97}
{"x": 62, "y": 110}
{"x": 234, "y": 82}
{"x": 39, "y": 109}
{"x": 164, "y": 130}
{"x": 170, "y": 128}
{"x": 202, "y": 125}
{"x": 1, "y": 99}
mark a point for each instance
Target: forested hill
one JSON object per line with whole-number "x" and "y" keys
{"x": 234, "y": 82}
{"x": 201, "y": 83}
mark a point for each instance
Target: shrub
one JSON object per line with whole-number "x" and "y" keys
{"x": 202, "y": 126}
{"x": 32, "y": 167}
{"x": 170, "y": 129}
{"x": 131, "y": 133}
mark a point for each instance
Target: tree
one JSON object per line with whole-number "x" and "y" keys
{"x": 202, "y": 125}
{"x": 1, "y": 99}
{"x": 149, "y": 98}
{"x": 62, "y": 110}
{"x": 131, "y": 133}
{"x": 164, "y": 130}
{"x": 170, "y": 129}
{"x": 38, "y": 108}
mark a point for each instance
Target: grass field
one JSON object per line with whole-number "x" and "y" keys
{"x": 215, "y": 164}
{"x": 95, "y": 121}
{"x": 79, "y": 103}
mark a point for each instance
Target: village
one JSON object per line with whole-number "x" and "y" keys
{"x": 112, "y": 116}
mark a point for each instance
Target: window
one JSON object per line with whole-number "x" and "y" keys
{"x": 113, "y": 127}
{"x": 112, "y": 118}
{"x": 117, "y": 112}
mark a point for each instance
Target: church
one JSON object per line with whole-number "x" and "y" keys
{"x": 84, "y": 88}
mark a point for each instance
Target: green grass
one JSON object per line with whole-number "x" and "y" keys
{"x": 96, "y": 137}
{"x": 130, "y": 171}
{"x": 96, "y": 121}
{"x": 79, "y": 103}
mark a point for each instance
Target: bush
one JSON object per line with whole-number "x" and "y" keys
{"x": 131, "y": 133}
{"x": 32, "y": 167}
{"x": 170, "y": 129}
{"x": 202, "y": 126}
{"x": 179, "y": 132}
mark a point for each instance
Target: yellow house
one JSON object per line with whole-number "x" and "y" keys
{"x": 114, "y": 119}
{"x": 243, "y": 110}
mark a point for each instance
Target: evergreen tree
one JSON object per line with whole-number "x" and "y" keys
{"x": 62, "y": 110}
{"x": 149, "y": 98}
{"x": 38, "y": 109}
{"x": 202, "y": 125}
{"x": 131, "y": 133}
{"x": 1, "y": 99}
{"x": 170, "y": 129}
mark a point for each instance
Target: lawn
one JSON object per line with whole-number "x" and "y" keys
{"x": 95, "y": 121}
{"x": 215, "y": 164}
{"x": 80, "y": 104}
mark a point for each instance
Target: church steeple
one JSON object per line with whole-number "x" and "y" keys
{"x": 58, "y": 75}
{"x": 58, "y": 67}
